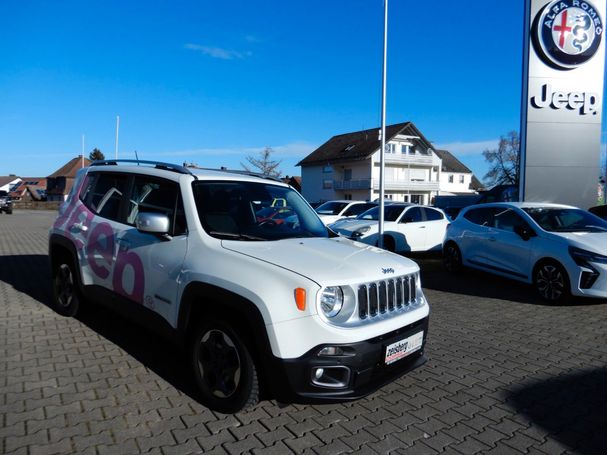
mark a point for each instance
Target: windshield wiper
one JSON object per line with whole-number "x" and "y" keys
{"x": 235, "y": 236}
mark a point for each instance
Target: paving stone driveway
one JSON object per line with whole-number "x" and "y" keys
{"x": 506, "y": 375}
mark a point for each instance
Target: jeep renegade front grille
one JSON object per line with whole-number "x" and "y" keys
{"x": 386, "y": 296}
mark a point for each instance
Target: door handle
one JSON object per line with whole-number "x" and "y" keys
{"x": 80, "y": 226}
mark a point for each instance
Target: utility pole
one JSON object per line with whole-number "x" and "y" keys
{"x": 380, "y": 240}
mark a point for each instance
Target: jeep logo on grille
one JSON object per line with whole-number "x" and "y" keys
{"x": 388, "y": 270}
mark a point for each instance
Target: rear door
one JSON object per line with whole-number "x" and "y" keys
{"x": 436, "y": 225}
{"x": 475, "y": 227}
{"x": 413, "y": 229}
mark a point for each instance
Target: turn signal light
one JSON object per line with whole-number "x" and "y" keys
{"x": 300, "y": 299}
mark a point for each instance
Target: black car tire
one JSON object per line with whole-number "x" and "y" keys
{"x": 452, "y": 258}
{"x": 224, "y": 368}
{"x": 66, "y": 288}
{"x": 551, "y": 282}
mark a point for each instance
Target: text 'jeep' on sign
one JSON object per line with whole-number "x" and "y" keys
{"x": 241, "y": 271}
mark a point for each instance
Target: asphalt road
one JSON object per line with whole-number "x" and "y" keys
{"x": 507, "y": 374}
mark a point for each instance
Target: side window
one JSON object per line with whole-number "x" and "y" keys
{"x": 153, "y": 195}
{"x": 507, "y": 220}
{"x": 104, "y": 195}
{"x": 433, "y": 215}
{"x": 482, "y": 217}
{"x": 413, "y": 215}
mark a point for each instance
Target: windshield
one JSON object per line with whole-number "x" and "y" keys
{"x": 254, "y": 211}
{"x": 331, "y": 208}
{"x": 391, "y": 213}
{"x": 566, "y": 220}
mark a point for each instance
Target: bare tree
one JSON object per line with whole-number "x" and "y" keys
{"x": 263, "y": 164}
{"x": 96, "y": 155}
{"x": 504, "y": 162}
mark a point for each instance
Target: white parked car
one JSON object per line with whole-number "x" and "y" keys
{"x": 557, "y": 248}
{"x": 331, "y": 211}
{"x": 407, "y": 227}
{"x": 240, "y": 271}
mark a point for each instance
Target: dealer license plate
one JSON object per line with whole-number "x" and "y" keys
{"x": 403, "y": 348}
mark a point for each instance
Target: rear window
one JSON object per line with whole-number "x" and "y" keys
{"x": 481, "y": 216}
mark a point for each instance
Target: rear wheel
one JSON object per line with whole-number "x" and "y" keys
{"x": 551, "y": 282}
{"x": 224, "y": 369}
{"x": 66, "y": 289}
{"x": 452, "y": 258}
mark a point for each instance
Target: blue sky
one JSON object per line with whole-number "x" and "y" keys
{"x": 213, "y": 82}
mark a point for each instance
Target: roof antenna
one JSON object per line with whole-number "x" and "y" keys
{"x": 137, "y": 157}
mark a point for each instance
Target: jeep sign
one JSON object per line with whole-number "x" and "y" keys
{"x": 562, "y": 101}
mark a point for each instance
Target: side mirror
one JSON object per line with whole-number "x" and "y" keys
{"x": 152, "y": 223}
{"x": 525, "y": 232}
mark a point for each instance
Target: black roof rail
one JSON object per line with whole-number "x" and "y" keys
{"x": 156, "y": 164}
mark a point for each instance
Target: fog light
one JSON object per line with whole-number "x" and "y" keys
{"x": 319, "y": 372}
{"x": 331, "y": 351}
{"x": 334, "y": 377}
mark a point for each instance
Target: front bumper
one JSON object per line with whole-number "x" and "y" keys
{"x": 366, "y": 369}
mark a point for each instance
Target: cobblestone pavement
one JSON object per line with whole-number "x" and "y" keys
{"x": 506, "y": 374}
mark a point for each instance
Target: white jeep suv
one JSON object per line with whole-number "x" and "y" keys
{"x": 261, "y": 301}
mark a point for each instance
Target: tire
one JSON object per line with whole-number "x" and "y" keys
{"x": 452, "y": 258}
{"x": 551, "y": 282}
{"x": 9, "y": 211}
{"x": 66, "y": 288}
{"x": 224, "y": 369}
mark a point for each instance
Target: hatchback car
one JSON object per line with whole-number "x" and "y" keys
{"x": 331, "y": 211}
{"x": 557, "y": 248}
{"x": 407, "y": 227}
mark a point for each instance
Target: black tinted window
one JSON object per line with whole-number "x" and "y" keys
{"x": 482, "y": 216}
{"x": 152, "y": 195}
{"x": 357, "y": 209}
{"x": 433, "y": 215}
{"x": 413, "y": 215}
{"x": 105, "y": 194}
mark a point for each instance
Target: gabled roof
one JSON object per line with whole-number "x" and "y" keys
{"x": 6, "y": 179}
{"x": 451, "y": 163}
{"x": 359, "y": 145}
{"x": 475, "y": 184}
{"x": 71, "y": 167}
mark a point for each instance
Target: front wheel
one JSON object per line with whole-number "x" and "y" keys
{"x": 224, "y": 369}
{"x": 66, "y": 290}
{"x": 551, "y": 282}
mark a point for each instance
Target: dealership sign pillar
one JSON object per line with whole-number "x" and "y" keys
{"x": 563, "y": 71}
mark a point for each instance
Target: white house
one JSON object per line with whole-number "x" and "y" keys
{"x": 455, "y": 177}
{"x": 8, "y": 182}
{"x": 347, "y": 167}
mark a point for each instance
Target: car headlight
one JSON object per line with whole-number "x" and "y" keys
{"x": 361, "y": 231}
{"x": 331, "y": 301}
{"x": 583, "y": 257}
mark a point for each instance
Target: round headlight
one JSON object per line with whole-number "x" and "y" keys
{"x": 331, "y": 301}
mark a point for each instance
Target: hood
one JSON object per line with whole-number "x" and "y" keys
{"x": 326, "y": 261}
{"x": 592, "y": 241}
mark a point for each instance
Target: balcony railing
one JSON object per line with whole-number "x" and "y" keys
{"x": 398, "y": 158}
{"x": 402, "y": 185}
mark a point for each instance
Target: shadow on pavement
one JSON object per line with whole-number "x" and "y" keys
{"x": 570, "y": 407}
{"x": 480, "y": 284}
{"x": 29, "y": 274}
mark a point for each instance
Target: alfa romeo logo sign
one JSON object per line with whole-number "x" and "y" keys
{"x": 567, "y": 33}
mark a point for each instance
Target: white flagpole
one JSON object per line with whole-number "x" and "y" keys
{"x": 82, "y": 156}
{"x": 117, "y": 128}
{"x": 380, "y": 240}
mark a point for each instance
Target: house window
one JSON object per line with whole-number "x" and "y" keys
{"x": 327, "y": 184}
{"x": 451, "y": 178}
{"x": 461, "y": 178}
{"x": 347, "y": 174}
{"x": 405, "y": 149}
{"x": 390, "y": 148}
{"x": 348, "y": 197}
{"x": 327, "y": 169}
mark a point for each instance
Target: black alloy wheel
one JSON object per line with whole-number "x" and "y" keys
{"x": 551, "y": 282}
{"x": 452, "y": 258}
{"x": 224, "y": 369}
{"x": 66, "y": 290}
